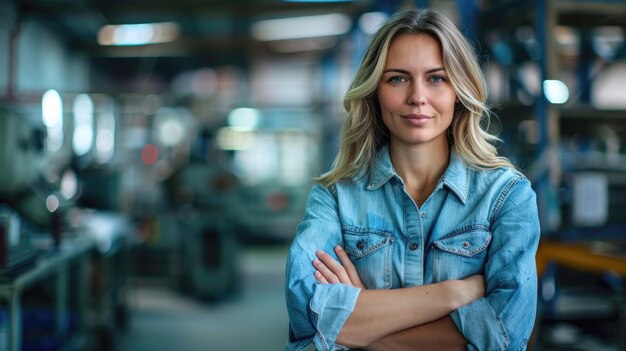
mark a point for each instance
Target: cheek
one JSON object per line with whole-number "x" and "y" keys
{"x": 385, "y": 117}
{"x": 388, "y": 100}
{"x": 382, "y": 101}
{"x": 446, "y": 104}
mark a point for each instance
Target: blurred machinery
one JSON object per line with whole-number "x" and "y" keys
{"x": 19, "y": 151}
{"x": 206, "y": 198}
{"x": 275, "y": 155}
{"x": 31, "y": 249}
{"x": 186, "y": 207}
{"x": 45, "y": 237}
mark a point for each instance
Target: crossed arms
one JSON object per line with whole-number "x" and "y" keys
{"x": 413, "y": 318}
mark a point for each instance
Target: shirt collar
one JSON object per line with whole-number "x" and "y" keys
{"x": 455, "y": 177}
{"x": 382, "y": 170}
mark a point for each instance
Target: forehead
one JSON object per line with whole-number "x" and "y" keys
{"x": 415, "y": 49}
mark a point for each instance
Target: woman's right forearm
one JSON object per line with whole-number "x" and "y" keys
{"x": 379, "y": 313}
{"x": 441, "y": 334}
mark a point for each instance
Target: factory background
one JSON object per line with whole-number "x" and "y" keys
{"x": 156, "y": 157}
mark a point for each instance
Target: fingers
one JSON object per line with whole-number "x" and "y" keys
{"x": 332, "y": 270}
{"x": 353, "y": 275}
{"x": 320, "y": 278}
{"x": 324, "y": 273}
{"x": 329, "y": 271}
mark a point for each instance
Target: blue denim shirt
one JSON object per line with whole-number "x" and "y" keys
{"x": 474, "y": 222}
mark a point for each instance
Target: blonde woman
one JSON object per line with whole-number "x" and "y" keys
{"x": 420, "y": 237}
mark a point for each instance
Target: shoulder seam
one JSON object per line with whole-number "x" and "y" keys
{"x": 503, "y": 195}
{"x": 333, "y": 191}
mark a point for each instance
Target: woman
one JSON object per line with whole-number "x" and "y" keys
{"x": 417, "y": 209}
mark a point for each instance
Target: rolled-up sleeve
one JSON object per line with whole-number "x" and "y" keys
{"x": 317, "y": 312}
{"x": 504, "y": 318}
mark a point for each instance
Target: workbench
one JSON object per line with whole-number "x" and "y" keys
{"x": 55, "y": 264}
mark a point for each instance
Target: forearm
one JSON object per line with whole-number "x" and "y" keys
{"x": 439, "y": 335}
{"x": 379, "y": 313}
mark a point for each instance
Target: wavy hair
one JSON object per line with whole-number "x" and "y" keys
{"x": 364, "y": 133}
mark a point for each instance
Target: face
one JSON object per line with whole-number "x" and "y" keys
{"x": 415, "y": 94}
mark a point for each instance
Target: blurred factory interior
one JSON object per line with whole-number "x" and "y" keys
{"x": 156, "y": 156}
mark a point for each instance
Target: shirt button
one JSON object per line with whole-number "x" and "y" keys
{"x": 360, "y": 245}
{"x": 412, "y": 246}
{"x": 423, "y": 214}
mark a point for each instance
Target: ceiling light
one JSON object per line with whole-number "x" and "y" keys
{"x": 83, "y": 124}
{"x": 369, "y": 22}
{"x": 52, "y": 108}
{"x": 555, "y": 91}
{"x": 244, "y": 118}
{"x": 302, "y": 27}
{"x": 138, "y": 34}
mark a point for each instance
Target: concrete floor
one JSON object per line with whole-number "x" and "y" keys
{"x": 161, "y": 318}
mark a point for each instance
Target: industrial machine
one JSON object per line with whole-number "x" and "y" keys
{"x": 19, "y": 147}
{"x": 205, "y": 195}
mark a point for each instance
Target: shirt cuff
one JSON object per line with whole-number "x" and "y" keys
{"x": 331, "y": 306}
{"x": 478, "y": 323}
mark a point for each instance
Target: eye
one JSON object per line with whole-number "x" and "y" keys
{"x": 396, "y": 80}
{"x": 437, "y": 79}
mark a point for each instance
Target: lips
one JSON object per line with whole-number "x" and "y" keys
{"x": 416, "y": 119}
{"x": 414, "y": 116}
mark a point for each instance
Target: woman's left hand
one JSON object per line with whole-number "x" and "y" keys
{"x": 329, "y": 271}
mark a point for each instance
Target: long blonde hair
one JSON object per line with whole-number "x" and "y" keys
{"x": 363, "y": 132}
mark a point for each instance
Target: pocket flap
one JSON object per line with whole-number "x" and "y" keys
{"x": 362, "y": 244}
{"x": 466, "y": 243}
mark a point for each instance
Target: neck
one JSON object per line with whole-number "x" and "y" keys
{"x": 420, "y": 167}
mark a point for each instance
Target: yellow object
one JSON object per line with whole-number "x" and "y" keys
{"x": 582, "y": 256}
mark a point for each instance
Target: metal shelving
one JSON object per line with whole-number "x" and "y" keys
{"x": 558, "y": 145}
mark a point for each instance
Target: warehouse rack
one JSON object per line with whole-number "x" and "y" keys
{"x": 565, "y": 149}
{"x": 555, "y": 123}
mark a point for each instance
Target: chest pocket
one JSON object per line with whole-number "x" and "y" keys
{"x": 371, "y": 253}
{"x": 460, "y": 255}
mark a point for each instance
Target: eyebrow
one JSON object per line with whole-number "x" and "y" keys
{"x": 400, "y": 70}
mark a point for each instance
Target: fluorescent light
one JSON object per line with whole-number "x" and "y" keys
{"x": 369, "y": 22}
{"x": 52, "y": 117}
{"x": 138, "y": 34}
{"x": 302, "y": 27}
{"x": 556, "y": 91}
{"x": 105, "y": 137}
{"x": 83, "y": 124}
{"x": 52, "y": 108}
{"x": 244, "y": 118}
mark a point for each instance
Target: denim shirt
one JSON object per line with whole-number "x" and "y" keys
{"x": 475, "y": 222}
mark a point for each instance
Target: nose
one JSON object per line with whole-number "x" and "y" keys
{"x": 417, "y": 94}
